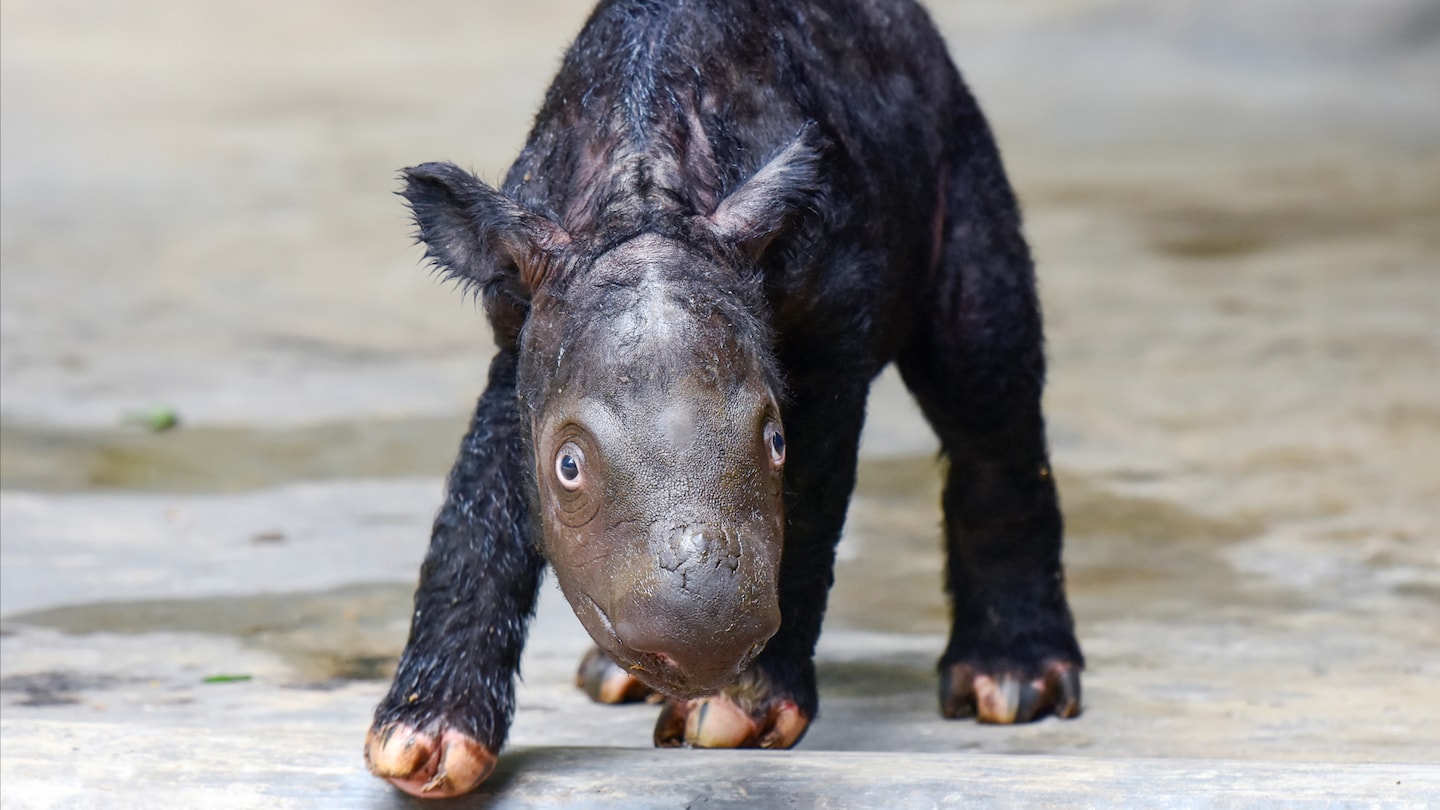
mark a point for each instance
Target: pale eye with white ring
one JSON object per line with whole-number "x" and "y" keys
{"x": 570, "y": 466}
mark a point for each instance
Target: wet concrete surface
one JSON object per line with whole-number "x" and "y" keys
{"x": 223, "y": 458}
{"x": 1234, "y": 210}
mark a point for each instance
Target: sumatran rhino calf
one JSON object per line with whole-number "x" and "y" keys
{"x": 729, "y": 217}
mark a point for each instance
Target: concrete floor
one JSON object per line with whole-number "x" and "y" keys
{"x": 1234, "y": 207}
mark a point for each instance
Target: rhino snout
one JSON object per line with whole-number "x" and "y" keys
{"x": 703, "y": 617}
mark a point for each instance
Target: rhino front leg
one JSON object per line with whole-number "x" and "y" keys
{"x": 439, "y": 729}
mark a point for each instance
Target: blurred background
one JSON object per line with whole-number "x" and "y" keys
{"x": 230, "y": 391}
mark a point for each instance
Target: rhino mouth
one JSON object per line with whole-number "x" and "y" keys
{"x": 660, "y": 671}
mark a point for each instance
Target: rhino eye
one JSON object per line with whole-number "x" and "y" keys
{"x": 776, "y": 442}
{"x": 569, "y": 466}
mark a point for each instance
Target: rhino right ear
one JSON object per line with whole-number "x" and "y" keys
{"x": 789, "y": 184}
{"x": 482, "y": 238}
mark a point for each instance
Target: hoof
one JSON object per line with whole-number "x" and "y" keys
{"x": 719, "y": 722}
{"x": 1005, "y": 697}
{"x": 605, "y": 682}
{"x": 428, "y": 765}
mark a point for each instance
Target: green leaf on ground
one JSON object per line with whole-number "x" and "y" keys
{"x": 158, "y": 419}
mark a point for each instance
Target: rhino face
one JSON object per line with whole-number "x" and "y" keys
{"x": 659, "y": 454}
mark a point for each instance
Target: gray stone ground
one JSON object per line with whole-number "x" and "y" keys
{"x": 1235, "y": 209}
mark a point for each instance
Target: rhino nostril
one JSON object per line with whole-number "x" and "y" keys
{"x": 642, "y": 637}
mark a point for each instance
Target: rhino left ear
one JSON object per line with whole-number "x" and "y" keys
{"x": 788, "y": 185}
{"x": 484, "y": 239}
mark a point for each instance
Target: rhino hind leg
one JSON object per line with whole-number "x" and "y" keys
{"x": 604, "y": 681}
{"x": 976, "y": 365}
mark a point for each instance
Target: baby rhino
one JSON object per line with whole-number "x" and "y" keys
{"x": 729, "y": 217}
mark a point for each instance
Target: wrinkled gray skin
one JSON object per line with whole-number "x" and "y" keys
{"x": 667, "y": 541}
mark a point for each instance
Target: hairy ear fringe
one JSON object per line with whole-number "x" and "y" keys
{"x": 482, "y": 239}
{"x": 789, "y": 184}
